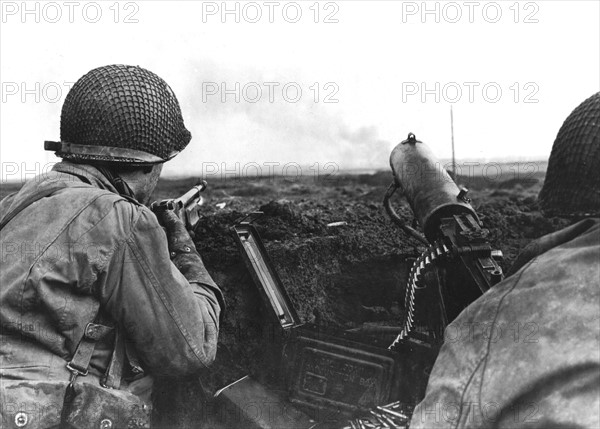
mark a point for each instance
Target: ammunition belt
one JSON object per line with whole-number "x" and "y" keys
{"x": 390, "y": 416}
{"x": 415, "y": 282}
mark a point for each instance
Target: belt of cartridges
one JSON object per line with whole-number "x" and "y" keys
{"x": 387, "y": 416}
{"x": 415, "y": 280}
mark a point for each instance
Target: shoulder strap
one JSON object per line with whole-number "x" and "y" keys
{"x": 38, "y": 195}
{"x": 92, "y": 333}
{"x": 80, "y": 362}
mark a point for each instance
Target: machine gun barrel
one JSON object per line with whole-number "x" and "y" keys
{"x": 429, "y": 189}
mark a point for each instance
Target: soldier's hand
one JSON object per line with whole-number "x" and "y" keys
{"x": 178, "y": 238}
{"x": 183, "y": 251}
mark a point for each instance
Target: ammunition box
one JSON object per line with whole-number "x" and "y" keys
{"x": 346, "y": 373}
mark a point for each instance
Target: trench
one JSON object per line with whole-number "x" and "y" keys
{"x": 327, "y": 285}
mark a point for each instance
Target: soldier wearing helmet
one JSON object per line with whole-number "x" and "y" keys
{"x": 531, "y": 358}
{"x": 99, "y": 294}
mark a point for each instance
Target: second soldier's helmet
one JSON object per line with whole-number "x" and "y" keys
{"x": 120, "y": 114}
{"x": 572, "y": 184}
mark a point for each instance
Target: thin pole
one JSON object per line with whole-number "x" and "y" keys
{"x": 452, "y": 133}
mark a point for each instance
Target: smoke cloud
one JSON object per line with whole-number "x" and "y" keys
{"x": 244, "y": 116}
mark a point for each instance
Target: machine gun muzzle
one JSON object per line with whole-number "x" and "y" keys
{"x": 427, "y": 186}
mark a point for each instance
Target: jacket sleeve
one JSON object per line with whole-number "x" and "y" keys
{"x": 173, "y": 324}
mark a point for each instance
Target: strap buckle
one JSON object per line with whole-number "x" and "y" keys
{"x": 75, "y": 372}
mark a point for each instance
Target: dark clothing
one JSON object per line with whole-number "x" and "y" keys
{"x": 527, "y": 353}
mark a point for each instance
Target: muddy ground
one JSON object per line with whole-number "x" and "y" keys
{"x": 338, "y": 276}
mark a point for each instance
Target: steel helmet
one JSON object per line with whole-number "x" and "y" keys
{"x": 119, "y": 114}
{"x": 572, "y": 184}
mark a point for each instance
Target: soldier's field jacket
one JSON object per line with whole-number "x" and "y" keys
{"x": 526, "y": 354}
{"x": 81, "y": 251}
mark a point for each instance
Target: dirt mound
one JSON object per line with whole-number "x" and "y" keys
{"x": 333, "y": 274}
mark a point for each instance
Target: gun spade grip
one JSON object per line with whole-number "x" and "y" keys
{"x": 429, "y": 189}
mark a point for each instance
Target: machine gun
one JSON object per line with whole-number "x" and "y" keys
{"x": 458, "y": 264}
{"x": 186, "y": 207}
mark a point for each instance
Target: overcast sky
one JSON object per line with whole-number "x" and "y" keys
{"x": 342, "y": 90}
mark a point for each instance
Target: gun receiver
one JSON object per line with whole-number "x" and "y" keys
{"x": 186, "y": 207}
{"x": 457, "y": 244}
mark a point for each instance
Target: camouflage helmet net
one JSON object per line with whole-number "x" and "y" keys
{"x": 120, "y": 114}
{"x": 572, "y": 184}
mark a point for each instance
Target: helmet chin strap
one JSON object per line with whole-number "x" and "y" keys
{"x": 120, "y": 185}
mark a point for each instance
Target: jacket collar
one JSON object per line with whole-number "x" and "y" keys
{"x": 86, "y": 173}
